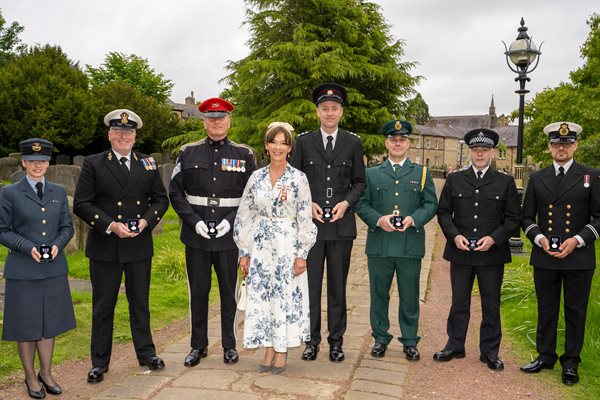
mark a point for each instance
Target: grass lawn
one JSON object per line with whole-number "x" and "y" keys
{"x": 519, "y": 319}
{"x": 168, "y": 300}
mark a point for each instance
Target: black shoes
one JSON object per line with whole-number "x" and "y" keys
{"x": 493, "y": 362}
{"x": 194, "y": 357}
{"x": 230, "y": 356}
{"x": 412, "y": 354}
{"x": 310, "y": 352}
{"x": 336, "y": 354}
{"x": 50, "y": 389}
{"x": 447, "y": 355}
{"x": 35, "y": 394}
{"x": 570, "y": 376}
{"x": 378, "y": 350}
{"x": 96, "y": 374}
{"x": 536, "y": 366}
{"x": 152, "y": 363}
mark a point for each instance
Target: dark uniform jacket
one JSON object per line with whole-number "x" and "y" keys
{"x": 105, "y": 194}
{"x": 569, "y": 209}
{"x": 26, "y": 221}
{"x": 475, "y": 209}
{"x": 333, "y": 180}
{"x": 387, "y": 193}
{"x": 212, "y": 169}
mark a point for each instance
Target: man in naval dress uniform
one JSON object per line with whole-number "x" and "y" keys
{"x": 399, "y": 200}
{"x": 561, "y": 217}
{"x": 205, "y": 191}
{"x": 478, "y": 212}
{"x": 332, "y": 159}
{"x": 120, "y": 195}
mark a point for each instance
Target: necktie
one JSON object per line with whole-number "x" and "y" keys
{"x": 329, "y": 147}
{"x": 124, "y": 164}
{"x": 39, "y": 186}
{"x": 561, "y": 174}
{"x": 397, "y": 168}
{"x": 479, "y": 175}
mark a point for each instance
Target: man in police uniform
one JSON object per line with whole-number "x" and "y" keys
{"x": 332, "y": 159}
{"x": 399, "y": 200}
{"x": 478, "y": 212}
{"x": 561, "y": 217}
{"x": 121, "y": 197}
{"x": 205, "y": 190}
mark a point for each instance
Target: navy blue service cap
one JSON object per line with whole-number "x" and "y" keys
{"x": 481, "y": 137}
{"x": 329, "y": 92}
{"x": 562, "y": 131}
{"x": 396, "y": 127}
{"x": 123, "y": 119}
{"x": 36, "y": 149}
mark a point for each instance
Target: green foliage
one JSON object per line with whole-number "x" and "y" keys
{"x": 159, "y": 122}
{"x": 10, "y": 44}
{"x": 134, "y": 70}
{"x": 417, "y": 110}
{"x": 191, "y": 130}
{"x": 44, "y": 94}
{"x": 296, "y": 46}
{"x": 576, "y": 101}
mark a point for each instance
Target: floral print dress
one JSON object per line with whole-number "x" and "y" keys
{"x": 274, "y": 226}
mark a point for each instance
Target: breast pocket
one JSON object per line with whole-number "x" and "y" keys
{"x": 495, "y": 202}
{"x": 194, "y": 173}
{"x": 462, "y": 203}
{"x": 344, "y": 170}
{"x": 379, "y": 194}
{"x": 311, "y": 168}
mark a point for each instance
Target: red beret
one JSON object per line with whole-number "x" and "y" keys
{"x": 215, "y": 107}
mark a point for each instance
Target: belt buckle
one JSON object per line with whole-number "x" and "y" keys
{"x": 213, "y": 202}
{"x": 329, "y": 193}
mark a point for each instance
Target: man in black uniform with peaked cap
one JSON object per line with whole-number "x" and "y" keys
{"x": 561, "y": 217}
{"x": 332, "y": 159}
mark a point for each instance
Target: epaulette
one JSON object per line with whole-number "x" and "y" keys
{"x": 244, "y": 146}
{"x": 355, "y": 134}
{"x": 303, "y": 133}
{"x": 191, "y": 144}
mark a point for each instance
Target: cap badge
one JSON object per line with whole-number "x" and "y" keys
{"x": 564, "y": 130}
{"x": 330, "y": 92}
{"x": 214, "y": 105}
{"x": 36, "y": 146}
{"x": 124, "y": 118}
{"x": 398, "y": 126}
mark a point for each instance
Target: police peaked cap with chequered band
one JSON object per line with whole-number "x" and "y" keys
{"x": 562, "y": 131}
{"x": 123, "y": 119}
{"x": 481, "y": 137}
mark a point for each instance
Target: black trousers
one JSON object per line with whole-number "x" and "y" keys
{"x": 577, "y": 285}
{"x": 199, "y": 270}
{"x": 106, "y": 280}
{"x": 489, "y": 279}
{"x": 336, "y": 254}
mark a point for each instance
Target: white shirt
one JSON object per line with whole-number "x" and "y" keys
{"x": 128, "y": 157}
{"x": 325, "y": 135}
{"x": 483, "y": 171}
{"x": 565, "y": 167}
{"x": 401, "y": 163}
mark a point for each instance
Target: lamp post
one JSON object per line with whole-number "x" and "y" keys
{"x": 525, "y": 56}
{"x": 460, "y": 161}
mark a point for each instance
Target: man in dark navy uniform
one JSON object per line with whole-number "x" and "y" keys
{"x": 121, "y": 197}
{"x": 332, "y": 159}
{"x": 205, "y": 190}
{"x": 478, "y": 212}
{"x": 561, "y": 217}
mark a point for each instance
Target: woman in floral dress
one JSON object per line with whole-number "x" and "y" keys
{"x": 274, "y": 232}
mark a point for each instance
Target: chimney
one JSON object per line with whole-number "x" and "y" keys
{"x": 190, "y": 100}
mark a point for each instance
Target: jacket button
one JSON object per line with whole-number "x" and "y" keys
{"x": 568, "y": 206}
{"x": 396, "y": 194}
{"x": 474, "y": 229}
{"x": 397, "y": 182}
{"x": 119, "y": 204}
{"x": 155, "y": 212}
{"x": 96, "y": 216}
{"x": 43, "y": 233}
{"x": 550, "y": 213}
{"x": 567, "y": 230}
{"x": 460, "y": 195}
{"x": 475, "y": 216}
{"x": 476, "y": 190}
{"x": 568, "y": 214}
{"x": 550, "y": 229}
{"x": 550, "y": 206}
{"x": 119, "y": 216}
{"x": 43, "y": 221}
{"x": 568, "y": 222}
{"x": 92, "y": 223}
{"x": 476, "y": 204}
{"x": 139, "y": 216}
{"x": 43, "y": 209}
{"x": 138, "y": 202}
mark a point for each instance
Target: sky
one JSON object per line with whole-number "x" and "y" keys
{"x": 457, "y": 44}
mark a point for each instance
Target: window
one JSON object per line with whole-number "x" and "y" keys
{"x": 437, "y": 145}
{"x": 418, "y": 159}
{"x": 436, "y": 160}
{"x": 417, "y": 143}
{"x": 428, "y": 144}
{"x": 502, "y": 153}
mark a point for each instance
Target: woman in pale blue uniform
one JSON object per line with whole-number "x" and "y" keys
{"x": 35, "y": 226}
{"x": 274, "y": 232}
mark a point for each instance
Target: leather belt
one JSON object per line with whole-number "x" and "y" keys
{"x": 213, "y": 201}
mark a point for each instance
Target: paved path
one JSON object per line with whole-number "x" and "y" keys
{"x": 360, "y": 376}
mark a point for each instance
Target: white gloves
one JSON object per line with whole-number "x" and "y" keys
{"x": 223, "y": 228}
{"x": 202, "y": 229}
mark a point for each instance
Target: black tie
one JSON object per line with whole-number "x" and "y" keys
{"x": 39, "y": 186}
{"x": 561, "y": 174}
{"x": 124, "y": 164}
{"x": 329, "y": 147}
{"x": 479, "y": 174}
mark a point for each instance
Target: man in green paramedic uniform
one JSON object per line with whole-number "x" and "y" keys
{"x": 397, "y": 203}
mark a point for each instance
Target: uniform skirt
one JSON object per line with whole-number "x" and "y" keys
{"x": 37, "y": 309}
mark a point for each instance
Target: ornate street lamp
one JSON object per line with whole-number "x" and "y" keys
{"x": 525, "y": 56}
{"x": 462, "y": 143}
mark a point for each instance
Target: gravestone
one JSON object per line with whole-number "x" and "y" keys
{"x": 66, "y": 175}
{"x": 78, "y": 161}
{"x": 16, "y": 156}
{"x": 8, "y": 166}
{"x": 166, "y": 170}
{"x": 63, "y": 159}
{"x": 17, "y": 176}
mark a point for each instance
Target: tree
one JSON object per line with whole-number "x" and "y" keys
{"x": 418, "y": 110}
{"x": 159, "y": 122}
{"x": 10, "y": 44}
{"x": 44, "y": 94}
{"x": 577, "y": 101}
{"x": 296, "y": 45}
{"x": 134, "y": 70}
